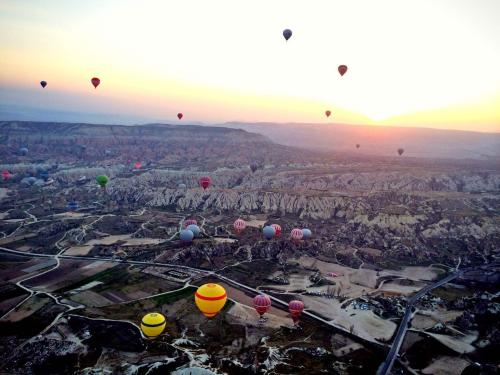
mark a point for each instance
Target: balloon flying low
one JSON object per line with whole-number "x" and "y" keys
{"x": 95, "y": 81}
{"x": 295, "y": 308}
{"x": 268, "y": 232}
{"x": 137, "y": 165}
{"x": 277, "y": 229}
{"x": 152, "y": 325}
{"x": 287, "y": 33}
{"x": 210, "y": 299}
{"x": 297, "y": 234}
{"x": 306, "y": 233}
{"x": 43, "y": 84}
{"x": 195, "y": 229}
{"x": 239, "y": 225}
{"x": 102, "y": 180}
{"x": 6, "y": 175}
{"x": 262, "y": 303}
{"x": 188, "y": 222}
{"x": 342, "y": 69}
{"x": 205, "y": 182}
{"x": 186, "y": 235}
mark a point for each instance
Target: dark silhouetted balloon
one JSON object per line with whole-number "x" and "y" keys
{"x": 43, "y": 83}
{"x": 400, "y": 151}
{"x": 287, "y": 33}
{"x": 328, "y": 113}
{"x": 342, "y": 69}
{"x": 179, "y": 115}
{"x": 95, "y": 81}
{"x": 357, "y": 145}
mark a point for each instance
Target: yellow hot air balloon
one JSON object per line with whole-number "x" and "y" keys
{"x": 210, "y": 299}
{"x": 153, "y": 324}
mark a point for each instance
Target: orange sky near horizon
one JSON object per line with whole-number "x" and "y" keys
{"x": 227, "y": 60}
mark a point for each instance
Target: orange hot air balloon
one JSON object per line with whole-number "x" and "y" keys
{"x": 137, "y": 165}
{"x": 328, "y": 113}
{"x": 210, "y": 299}
{"x": 179, "y": 115}
{"x": 239, "y": 225}
{"x": 95, "y": 81}
{"x": 295, "y": 307}
{"x": 342, "y": 69}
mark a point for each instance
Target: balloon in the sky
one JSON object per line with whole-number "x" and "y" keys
{"x": 137, "y": 165}
{"x": 194, "y": 228}
{"x": 306, "y": 233}
{"x": 205, "y": 182}
{"x": 277, "y": 229}
{"x": 268, "y": 232}
{"x": 180, "y": 115}
{"x": 297, "y": 234}
{"x": 328, "y": 113}
{"x": 102, "y": 180}
{"x": 95, "y": 81}
{"x": 239, "y": 225}
{"x": 23, "y": 151}
{"x": 400, "y": 151}
{"x": 72, "y": 206}
{"x": 210, "y": 299}
{"x": 287, "y": 33}
{"x": 189, "y": 222}
{"x": 152, "y": 325}
{"x": 43, "y": 83}
{"x": 295, "y": 307}
{"x": 6, "y": 175}
{"x": 262, "y": 303}
{"x": 342, "y": 69}
{"x": 357, "y": 145}
{"x": 186, "y": 235}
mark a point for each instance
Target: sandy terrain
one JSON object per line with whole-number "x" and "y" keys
{"x": 459, "y": 344}
{"x": 109, "y": 240}
{"x": 224, "y": 240}
{"x": 71, "y": 214}
{"x": 91, "y": 299}
{"x": 26, "y": 309}
{"x": 446, "y": 366}
{"x": 247, "y": 316}
{"x": 426, "y": 319}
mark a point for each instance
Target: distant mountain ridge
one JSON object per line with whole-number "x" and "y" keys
{"x": 380, "y": 140}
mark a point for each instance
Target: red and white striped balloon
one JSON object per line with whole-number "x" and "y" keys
{"x": 239, "y": 225}
{"x": 277, "y": 229}
{"x": 262, "y": 303}
{"x": 205, "y": 182}
{"x": 297, "y": 234}
{"x": 189, "y": 222}
{"x": 295, "y": 307}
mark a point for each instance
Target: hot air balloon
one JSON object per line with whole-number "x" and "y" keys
{"x": 328, "y": 113}
{"x": 342, "y": 69}
{"x": 306, "y": 233}
{"x": 205, "y": 182}
{"x": 287, "y": 33}
{"x": 210, "y": 299}
{"x": 137, "y": 165}
{"x": 262, "y": 303}
{"x": 44, "y": 175}
{"x": 297, "y": 234}
{"x": 72, "y": 206}
{"x": 186, "y": 235}
{"x": 400, "y": 151}
{"x": 6, "y": 175}
{"x": 43, "y": 84}
{"x": 179, "y": 115}
{"x": 23, "y": 151}
{"x": 102, "y": 180}
{"x": 189, "y": 222}
{"x": 254, "y": 166}
{"x": 153, "y": 324}
{"x": 239, "y": 225}
{"x": 277, "y": 229}
{"x": 194, "y": 228}
{"x": 357, "y": 145}
{"x": 295, "y": 307}
{"x": 95, "y": 81}
{"x": 268, "y": 232}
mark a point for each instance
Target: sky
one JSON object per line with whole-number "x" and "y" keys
{"x": 430, "y": 63}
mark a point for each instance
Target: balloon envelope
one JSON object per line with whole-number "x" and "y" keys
{"x": 400, "y": 151}
{"x": 268, "y": 232}
{"x": 205, "y": 182}
{"x": 210, "y": 299}
{"x": 186, "y": 235}
{"x": 194, "y": 228}
{"x": 95, "y": 81}
{"x": 328, "y": 113}
{"x": 287, "y": 33}
{"x": 297, "y": 234}
{"x": 137, "y": 165}
{"x": 102, "y": 180}
{"x": 357, "y": 146}
{"x": 295, "y": 308}
{"x": 262, "y": 303}
{"x": 239, "y": 225}
{"x": 189, "y": 222}
{"x": 306, "y": 233}
{"x": 153, "y": 324}
{"x": 277, "y": 229}
{"x": 342, "y": 69}
{"x": 43, "y": 84}
{"x": 179, "y": 115}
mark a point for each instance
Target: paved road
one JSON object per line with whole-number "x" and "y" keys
{"x": 386, "y": 366}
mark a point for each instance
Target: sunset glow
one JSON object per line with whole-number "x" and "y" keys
{"x": 416, "y": 63}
